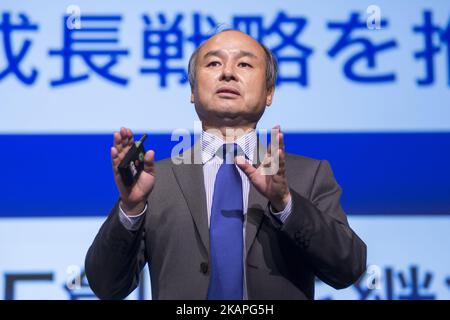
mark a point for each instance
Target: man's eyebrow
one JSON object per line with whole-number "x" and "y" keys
{"x": 219, "y": 53}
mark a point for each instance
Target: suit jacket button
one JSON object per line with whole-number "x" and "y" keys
{"x": 204, "y": 267}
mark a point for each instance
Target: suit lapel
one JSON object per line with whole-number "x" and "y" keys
{"x": 191, "y": 182}
{"x": 257, "y": 204}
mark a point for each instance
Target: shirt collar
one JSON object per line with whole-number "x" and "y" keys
{"x": 210, "y": 143}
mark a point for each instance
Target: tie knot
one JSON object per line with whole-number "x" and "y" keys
{"x": 229, "y": 151}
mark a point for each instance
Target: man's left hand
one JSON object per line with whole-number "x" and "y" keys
{"x": 273, "y": 186}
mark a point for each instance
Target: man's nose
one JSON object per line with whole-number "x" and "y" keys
{"x": 228, "y": 73}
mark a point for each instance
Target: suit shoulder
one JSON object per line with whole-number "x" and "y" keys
{"x": 304, "y": 172}
{"x": 303, "y": 161}
{"x": 164, "y": 165}
{"x": 306, "y": 165}
{"x": 166, "y": 162}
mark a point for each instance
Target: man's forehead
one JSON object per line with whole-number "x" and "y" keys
{"x": 232, "y": 42}
{"x": 232, "y": 51}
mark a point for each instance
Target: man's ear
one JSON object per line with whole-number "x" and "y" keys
{"x": 269, "y": 97}
{"x": 192, "y": 96}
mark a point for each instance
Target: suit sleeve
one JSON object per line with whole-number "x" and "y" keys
{"x": 319, "y": 228}
{"x": 115, "y": 259}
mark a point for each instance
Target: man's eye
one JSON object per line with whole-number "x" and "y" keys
{"x": 213, "y": 64}
{"x": 245, "y": 65}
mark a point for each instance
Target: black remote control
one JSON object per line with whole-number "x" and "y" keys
{"x": 132, "y": 165}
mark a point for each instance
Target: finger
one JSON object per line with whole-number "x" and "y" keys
{"x": 130, "y": 136}
{"x": 246, "y": 167}
{"x": 121, "y": 151}
{"x": 273, "y": 135}
{"x": 282, "y": 153}
{"x": 149, "y": 162}
{"x": 117, "y": 141}
{"x": 127, "y": 137}
{"x": 281, "y": 163}
{"x": 124, "y": 136}
{"x": 115, "y": 158}
{"x": 269, "y": 150}
{"x": 281, "y": 140}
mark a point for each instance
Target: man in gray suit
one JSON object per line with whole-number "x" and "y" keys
{"x": 293, "y": 226}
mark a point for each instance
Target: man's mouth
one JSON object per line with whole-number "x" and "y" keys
{"x": 228, "y": 92}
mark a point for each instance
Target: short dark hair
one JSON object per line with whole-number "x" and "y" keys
{"x": 271, "y": 65}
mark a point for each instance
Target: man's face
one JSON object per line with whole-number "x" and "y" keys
{"x": 230, "y": 87}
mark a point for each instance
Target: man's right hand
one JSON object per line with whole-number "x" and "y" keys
{"x": 133, "y": 198}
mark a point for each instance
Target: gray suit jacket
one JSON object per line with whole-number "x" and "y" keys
{"x": 282, "y": 260}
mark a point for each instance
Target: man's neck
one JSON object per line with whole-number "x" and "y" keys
{"x": 226, "y": 133}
